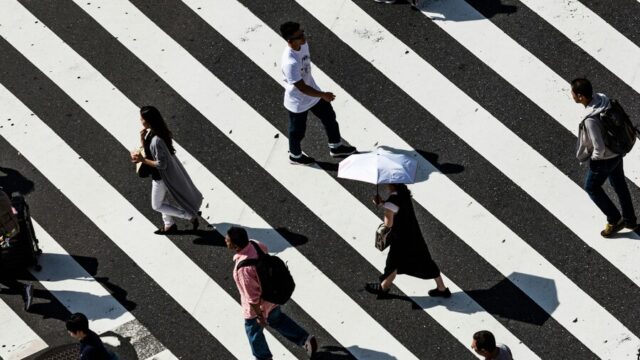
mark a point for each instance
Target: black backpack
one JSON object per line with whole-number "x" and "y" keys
{"x": 275, "y": 279}
{"x": 619, "y": 133}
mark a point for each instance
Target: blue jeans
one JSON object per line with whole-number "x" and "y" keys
{"x": 599, "y": 172}
{"x": 282, "y": 324}
{"x": 298, "y": 125}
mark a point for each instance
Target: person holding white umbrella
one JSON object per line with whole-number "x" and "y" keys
{"x": 408, "y": 251}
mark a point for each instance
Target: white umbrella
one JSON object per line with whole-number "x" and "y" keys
{"x": 379, "y": 167}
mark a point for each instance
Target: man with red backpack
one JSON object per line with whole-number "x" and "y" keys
{"x": 605, "y": 135}
{"x": 257, "y": 288}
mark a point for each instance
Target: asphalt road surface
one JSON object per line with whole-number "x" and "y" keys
{"x": 477, "y": 92}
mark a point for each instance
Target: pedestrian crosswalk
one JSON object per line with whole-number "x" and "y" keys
{"x": 499, "y": 194}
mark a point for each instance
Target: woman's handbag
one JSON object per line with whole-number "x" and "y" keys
{"x": 142, "y": 169}
{"x": 383, "y": 237}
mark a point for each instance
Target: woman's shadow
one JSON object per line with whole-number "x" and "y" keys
{"x": 12, "y": 181}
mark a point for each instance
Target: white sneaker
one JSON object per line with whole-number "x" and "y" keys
{"x": 311, "y": 345}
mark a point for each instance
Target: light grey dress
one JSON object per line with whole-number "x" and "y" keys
{"x": 175, "y": 177}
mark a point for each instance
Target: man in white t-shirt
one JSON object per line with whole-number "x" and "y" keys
{"x": 484, "y": 344}
{"x": 302, "y": 95}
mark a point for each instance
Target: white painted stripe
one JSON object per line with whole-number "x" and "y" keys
{"x": 17, "y": 340}
{"x": 594, "y": 35}
{"x": 316, "y": 189}
{"x": 164, "y": 355}
{"x": 77, "y": 291}
{"x": 256, "y": 40}
{"x": 600, "y": 331}
{"x": 315, "y": 292}
{"x": 561, "y": 196}
{"x": 219, "y": 108}
{"x": 582, "y": 26}
{"x": 198, "y": 294}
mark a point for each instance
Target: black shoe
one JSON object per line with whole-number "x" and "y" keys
{"x": 171, "y": 230}
{"x": 440, "y": 293}
{"x": 301, "y": 160}
{"x": 342, "y": 150}
{"x": 376, "y": 288}
{"x": 28, "y": 296}
{"x": 631, "y": 226}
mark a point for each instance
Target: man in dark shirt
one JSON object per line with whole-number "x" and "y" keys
{"x": 91, "y": 346}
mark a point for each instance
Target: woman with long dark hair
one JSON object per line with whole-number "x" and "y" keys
{"x": 167, "y": 173}
{"x": 408, "y": 252}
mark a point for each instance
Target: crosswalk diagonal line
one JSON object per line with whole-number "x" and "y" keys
{"x": 184, "y": 281}
{"x": 583, "y": 27}
{"x": 78, "y": 291}
{"x": 179, "y": 70}
{"x": 563, "y": 198}
{"x": 224, "y": 107}
{"x": 389, "y": 55}
{"x": 17, "y": 339}
{"x": 259, "y": 43}
{"x": 594, "y": 35}
{"x": 316, "y": 293}
{"x": 164, "y": 355}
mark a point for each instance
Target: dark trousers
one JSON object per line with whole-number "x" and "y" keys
{"x": 282, "y": 324}
{"x": 599, "y": 172}
{"x": 298, "y": 125}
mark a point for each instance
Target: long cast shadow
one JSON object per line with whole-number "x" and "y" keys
{"x": 497, "y": 300}
{"x": 12, "y": 180}
{"x": 486, "y": 9}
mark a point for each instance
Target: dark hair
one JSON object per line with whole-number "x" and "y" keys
{"x": 159, "y": 128}
{"x": 288, "y": 29}
{"x": 78, "y": 322}
{"x": 402, "y": 190}
{"x": 582, "y": 86}
{"x": 238, "y": 236}
{"x": 485, "y": 340}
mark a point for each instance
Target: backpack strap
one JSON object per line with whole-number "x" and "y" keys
{"x": 257, "y": 247}
{"x": 254, "y": 261}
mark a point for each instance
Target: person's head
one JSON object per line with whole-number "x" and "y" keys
{"x": 484, "y": 343}
{"x": 151, "y": 118}
{"x": 78, "y": 326}
{"x": 293, "y": 33}
{"x": 401, "y": 189}
{"x": 581, "y": 91}
{"x": 237, "y": 238}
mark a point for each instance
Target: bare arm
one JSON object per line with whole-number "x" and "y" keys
{"x": 309, "y": 91}
{"x": 388, "y": 218}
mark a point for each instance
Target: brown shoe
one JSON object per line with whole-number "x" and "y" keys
{"x": 611, "y": 229}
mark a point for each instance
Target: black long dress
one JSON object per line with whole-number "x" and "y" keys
{"x": 408, "y": 252}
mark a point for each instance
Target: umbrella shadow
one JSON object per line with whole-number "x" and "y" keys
{"x": 485, "y": 9}
{"x": 431, "y": 165}
{"x": 497, "y": 300}
{"x": 272, "y": 237}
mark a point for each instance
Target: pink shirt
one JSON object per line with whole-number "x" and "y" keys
{"x": 248, "y": 283}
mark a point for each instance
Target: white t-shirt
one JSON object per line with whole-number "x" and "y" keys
{"x": 296, "y": 66}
